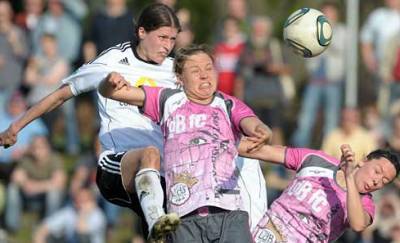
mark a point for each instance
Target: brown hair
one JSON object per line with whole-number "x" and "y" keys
{"x": 155, "y": 16}
{"x": 185, "y": 52}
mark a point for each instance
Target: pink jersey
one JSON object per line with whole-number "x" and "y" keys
{"x": 313, "y": 206}
{"x": 199, "y": 148}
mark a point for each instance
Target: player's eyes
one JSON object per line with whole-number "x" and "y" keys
{"x": 197, "y": 141}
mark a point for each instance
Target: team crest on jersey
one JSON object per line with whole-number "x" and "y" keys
{"x": 265, "y": 236}
{"x": 145, "y": 81}
{"x": 180, "y": 191}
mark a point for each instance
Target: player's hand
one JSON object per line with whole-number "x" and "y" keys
{"x": 348, "y": 161}
{"x": 117, "y": 81}
{"x": 246, "y": 145}
{"x": 262, "y": 135}
{"x": 8, "y": 137}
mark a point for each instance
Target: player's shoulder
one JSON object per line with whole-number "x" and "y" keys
{"x": 312, "y": 154}
{"x": 115, "y": 54}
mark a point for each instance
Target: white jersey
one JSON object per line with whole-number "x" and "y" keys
{"x": 122, "y": 126}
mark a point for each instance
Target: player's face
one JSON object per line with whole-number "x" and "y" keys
{"x": 199, "y": 78}
{"x": 374, "y": 174}
{"x": 156, "y": 45}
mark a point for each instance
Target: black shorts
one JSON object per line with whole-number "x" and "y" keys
{"x": 109, "y": 182}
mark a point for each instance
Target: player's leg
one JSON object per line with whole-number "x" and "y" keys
{"x": 115, "y": 179}
{"x": 140, "y": 175}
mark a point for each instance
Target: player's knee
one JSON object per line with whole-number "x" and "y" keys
{"x": 151, "y": 157}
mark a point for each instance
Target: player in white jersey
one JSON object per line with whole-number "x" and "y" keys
{"x": 145, "y": 62}
{"x": 130, "y": 156}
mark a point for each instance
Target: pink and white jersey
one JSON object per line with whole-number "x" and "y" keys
{"x": 199, "y": 148}
{"x": 313, "y": 206}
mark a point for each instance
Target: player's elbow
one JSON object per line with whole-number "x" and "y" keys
{"x": 359, "y": 226}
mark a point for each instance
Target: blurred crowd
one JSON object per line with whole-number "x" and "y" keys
{"x": 52, "y": 167}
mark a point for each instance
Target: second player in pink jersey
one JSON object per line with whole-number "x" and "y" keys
{"x": 326, "y": 197}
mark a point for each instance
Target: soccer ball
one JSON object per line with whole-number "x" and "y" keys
{"x": 308, "y": 32}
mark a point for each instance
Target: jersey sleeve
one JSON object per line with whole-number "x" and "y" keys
{"x": 151, "y": 106}
{"x": 239, "y": 111}
{"x": 294, "y": 157}
{"x": 87, "y": 77}
{"x": 368, "y": 205}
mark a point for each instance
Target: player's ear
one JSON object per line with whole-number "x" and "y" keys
{"x": 141, "y": 33}
{"x": 179, "y": 79}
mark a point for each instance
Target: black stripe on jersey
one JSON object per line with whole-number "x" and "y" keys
{"x": 317, "y": 161}
{"x": 165, "y": 94}
{"x": 228, "y": 105}
{"x": 122, "y": 47}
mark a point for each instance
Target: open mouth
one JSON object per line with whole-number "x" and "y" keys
{"x": 205, "y": 86}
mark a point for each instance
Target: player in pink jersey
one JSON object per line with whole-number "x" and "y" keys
{"x": 326, "y": 196}
{"x": 201, "y": 127}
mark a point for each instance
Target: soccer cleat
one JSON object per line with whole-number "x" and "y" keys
{"x": 163, "y": 226}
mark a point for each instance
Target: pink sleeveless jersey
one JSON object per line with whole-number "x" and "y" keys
{"x": 313, "y": 206}
{"x": 199, "y": 148}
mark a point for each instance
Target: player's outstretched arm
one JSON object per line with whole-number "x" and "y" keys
{"x": 114, "y": 86}
{"x": 268, "y": 153}
{"x": 50, "y": 102}
{"x": 359, "y": 219}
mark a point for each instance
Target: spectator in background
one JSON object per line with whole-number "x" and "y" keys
{"x": 78, "y": 223}
{"x": 66, "y": 30}
{"x": 185, "y": 37}
{"x": 350, "y": 132}
{"x": 15, "y": 107}
{"x": 29, "y": 17}
{"x": 238, "y": 10}
{"x": 13, "y": 52}
{"x": 387, "y": 213}
{"x": 260, "y": 69}
{"x": 382, "y": 24}
{"x": 38, "y": 183}
{"x": 373, "y": 122}
{"x": 325, "y": 85}
{"x": 390, "y": 74}
{"x": 44, "y": 72}
{"x": 84, "y": 176}
{"x": 109, "y": 27}
{"x": 43, "y": 75}
{"x": 395, "y": 232}
{"x": 393, "y": 141}
{"x": 227, "y": 53}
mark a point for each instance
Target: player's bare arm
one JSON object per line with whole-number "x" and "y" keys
{"x": 269, "y": 153}
{"x": 358, "y": 218}
{"x": 48, "y": 103}
{"x": 114, "y": 86}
